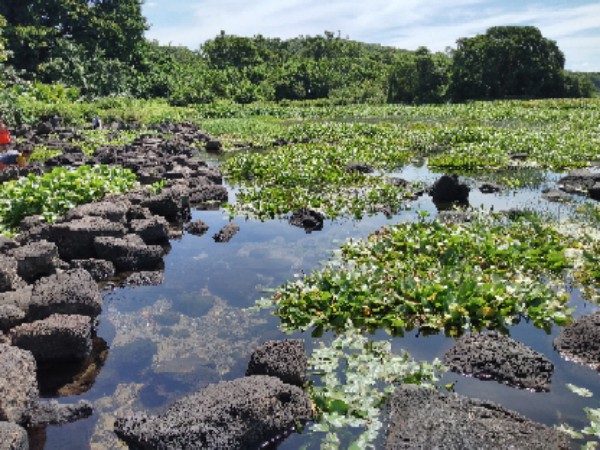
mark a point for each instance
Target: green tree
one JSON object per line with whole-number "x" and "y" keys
{"x": 419, "y": 77}
{"x": 508, "y": 61}
{"x": 40, "y": 31}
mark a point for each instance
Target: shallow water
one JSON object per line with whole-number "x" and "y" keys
{"x": 168, "y": 340}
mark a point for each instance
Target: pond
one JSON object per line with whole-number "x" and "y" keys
{"x": 169, "y": 340}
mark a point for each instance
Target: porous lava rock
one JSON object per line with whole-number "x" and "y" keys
{"x": 129, "y": 253}
{"x": 198, "y": 227}
{"x": 36, "y": 260}
{"x": 9, "y": 277}
{"x": 493, "y": 356}
{"x": 418, "y": 417}
{"x": 75, "y": 238}
{"x": 71, "y": 292}
{"x": 99, "y": 269}
{"x": 57, "y": 338}
{"x": 242, "y": 413}
{"x": 580, "y": 341}
{"x": 18, "y": 384}
{"x": 308, "y": 219}
{"x": 10, "y": 316}
{"x": 13, "y": 437}
{"x": 154, "y": 230}
{"x": 226, "y": 233}
{"x": 284, "y": 359}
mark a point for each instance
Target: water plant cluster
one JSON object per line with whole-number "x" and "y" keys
{"x": 54, "y": 193}
{"x": 488, "y": 273}
{"x": 356, "y": 375}
{"x": 304, "y": 163}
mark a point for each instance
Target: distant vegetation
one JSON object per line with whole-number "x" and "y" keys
{"x": 97, "y": 49}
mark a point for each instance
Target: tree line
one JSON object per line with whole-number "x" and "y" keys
{"x": 97, "y": 48}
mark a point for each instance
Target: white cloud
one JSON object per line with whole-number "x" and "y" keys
{"x": 400, "y": 23}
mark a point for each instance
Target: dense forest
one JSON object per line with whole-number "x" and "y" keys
{"x": 97, "y": 48}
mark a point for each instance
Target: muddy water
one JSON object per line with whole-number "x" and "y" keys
{"x": 169, "y": 340}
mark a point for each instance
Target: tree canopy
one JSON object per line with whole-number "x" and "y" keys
{"x": 98, "y": 47}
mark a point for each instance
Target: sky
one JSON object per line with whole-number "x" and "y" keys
{"x": 405, "y": 24}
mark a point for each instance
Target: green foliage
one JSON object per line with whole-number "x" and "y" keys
{"x": 487, "y": 273}
{"x": 356, "y": 376}
{"x": 591, "y": 433}
{"x": 54, "y": 193}
{"x": 314, "y": 175}
{"x": 508, "y": 61}
{"x": 91, "y": 45}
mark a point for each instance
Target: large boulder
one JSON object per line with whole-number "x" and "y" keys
{"x": 209, "y": 196}
{"x": 421, "y": 417}
{"x": 493, "y": 356}
{"x": 172, "y": 203}
{"x": 70, "y": 292}
{"x": 18, "y": 384}
{"x": 580, "y": 341}
{"x": 242, "y": 413}
{"x": 284, "y": 359}
{"x": 56, "y": 338}
{"x": 448, "y": 189}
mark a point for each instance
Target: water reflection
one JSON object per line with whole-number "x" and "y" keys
{"x": 169, "y": 340}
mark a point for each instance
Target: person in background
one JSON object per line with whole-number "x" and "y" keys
{"x": 5, "y": 139}
{"x": 96, "y": 123}
{"x": 8, "y": 156}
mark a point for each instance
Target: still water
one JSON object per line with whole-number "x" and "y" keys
{"x": 169, "y": 340}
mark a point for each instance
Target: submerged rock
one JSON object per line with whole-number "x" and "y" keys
{"x": 241, "y": 413}
{"x": 419, "y": 417}
{"x": 493, "y": 356}
{"x": 580, "y": 341}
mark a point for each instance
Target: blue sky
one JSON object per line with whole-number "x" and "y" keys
{"x": 407, "y": 24}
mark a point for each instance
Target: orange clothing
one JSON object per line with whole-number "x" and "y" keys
{"x": 4, "y": 136}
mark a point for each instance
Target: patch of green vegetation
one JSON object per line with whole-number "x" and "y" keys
{"x": 591, "y": 433}
{"x": 355, "y": 376}
{"x": 486, "y": 273}
{"x": 54, "y": 193}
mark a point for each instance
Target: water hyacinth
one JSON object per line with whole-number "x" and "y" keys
{"x": 488, "y": 273}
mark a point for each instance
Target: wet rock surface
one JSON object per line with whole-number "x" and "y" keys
{"x": 284, "y": 359}
{"x": 493, "y": 356}
{"x": 197, "y": 228}
{"x": 580, "y": 341}
{"x": 421, "y": 417}
{"x": 241, "y": 413}
{"x": 18, "y": 384}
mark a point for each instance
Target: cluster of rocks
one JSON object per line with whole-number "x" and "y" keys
{"x": 49, "y": 292}
{"x": 247, "y": 412}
